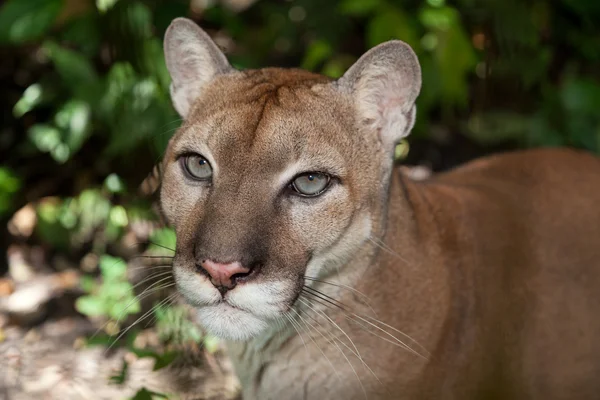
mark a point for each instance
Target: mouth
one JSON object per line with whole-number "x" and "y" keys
{"x": 229, "y": 322}
{"x": 238, "y": 314}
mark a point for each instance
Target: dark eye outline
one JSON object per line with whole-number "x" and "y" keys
{"x": 183, "y": 160}
{"x": 297, "y": 192}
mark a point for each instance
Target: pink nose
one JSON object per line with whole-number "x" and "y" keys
{"x": 224, "y": 275}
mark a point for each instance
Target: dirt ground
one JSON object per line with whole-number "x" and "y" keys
{"x": 45, "y": 352}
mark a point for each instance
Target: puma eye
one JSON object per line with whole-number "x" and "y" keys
{"x": 311, "y": 184}
{"x": 197, "y": 167}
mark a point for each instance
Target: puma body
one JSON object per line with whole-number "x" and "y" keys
{"x": 334, "y": 276}
{"x": 504, "y": 294}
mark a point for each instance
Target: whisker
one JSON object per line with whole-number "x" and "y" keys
{"x": 154, "y": 276}
{"x": 306, "y": 302}
{"x": 350, "y": 313}
{"x": 333, "y": 339}
{"x": 151, "y": 242}
{"x": 324, "y": 297}
{"x": 319, "y": 348}
{"x": 161, "y": 246}
{"x": 340, "y": 285}
{"x": 171, "y": 298}
{"x": 152, "y": 256}
{"x": 147, "y": 292}
{"x": 145, "y": 315}
{"x": 291, "y": 320}
{"x": 387, "y": 249}
{"x": 149, "y": 267}
{"x": 400, "y": 342}
{"x": 340, "y": 305}
{"x": 401, "y": 333}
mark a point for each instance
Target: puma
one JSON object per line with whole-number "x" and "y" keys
{"x": 330, "y": 274}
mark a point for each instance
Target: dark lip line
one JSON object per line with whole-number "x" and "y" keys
{"x": 225, "y": 302}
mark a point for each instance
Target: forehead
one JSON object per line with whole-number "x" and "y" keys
{"x": 270, "y": 117}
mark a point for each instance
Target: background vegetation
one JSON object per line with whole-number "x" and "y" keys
{"x": 85, "y": 111}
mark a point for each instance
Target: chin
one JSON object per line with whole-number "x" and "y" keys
{"x": 243, "y": 313}
{"x": 230, "y": 323}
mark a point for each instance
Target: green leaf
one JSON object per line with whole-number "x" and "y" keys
{"x": 101, "y": 339}
{"x": 118, "y": 216}
{"x": 164, "y": 360}
{"x": 32, "y": 96}
{"x": 45, "y": 137}
{"x": 142, "y": 394}
{"x": 391, "y": 23}
{"x": 88, "y": 283}
{"x": 317, "y": 52}
{"x": 93, "y": 210}
{"x": 69, "y": 134}
{"x": 85, "y": 32}
{"x": 145, "y": 394}
{"x": 9, "y": 185}
{"x": 120, "y": 376}
{"x": 114, "y": 183}
{"x": 92, "y": 306}
{"x": 25, "y": 20}
{"x": 105, "y": 5}
{"x": 112, "y": 268}
{"x": 127, "y": 305}
{"x": 73, "y": 67}
{"x": 163, "y": 240}
{"x": 49, "y": 227}
{"x": 74, "y": 119}
{"x": 581, "y": 94}
{"x": 211, "y": 343}
{"x": 453, "y": 53}
{"x": 358, "y": 7}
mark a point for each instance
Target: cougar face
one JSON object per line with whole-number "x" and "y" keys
{"x": 275, "y": 175}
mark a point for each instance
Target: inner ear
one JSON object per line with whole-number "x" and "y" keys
{"x": 385, "y": 83}
{"x": 193, "y": 61}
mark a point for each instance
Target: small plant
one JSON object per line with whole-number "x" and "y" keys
{"x": 172, "y": 324}
{"x": 114, "y": 297}
{"x": 145, "y": 394}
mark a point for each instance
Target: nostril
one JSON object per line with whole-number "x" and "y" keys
{"x": 241, "y": 276}
{"x": 224, "y": 275}
{"x": 248, "y": 274}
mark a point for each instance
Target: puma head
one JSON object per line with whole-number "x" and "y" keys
{"x": 275, "y": 174}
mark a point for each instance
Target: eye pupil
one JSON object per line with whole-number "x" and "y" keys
{"x": 311, "y": 184}
{"x": 197, "y": 167}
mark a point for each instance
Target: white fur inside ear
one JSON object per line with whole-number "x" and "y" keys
{"x": 382, "y": 103}
{"x": 385, "y": 83}
{"x": 193, "y": 60}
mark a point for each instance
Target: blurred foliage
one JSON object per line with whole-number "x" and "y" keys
{"x": 88, "y": 87}
{"x": 114, "y": 297}
{"x": 86, "y": 110}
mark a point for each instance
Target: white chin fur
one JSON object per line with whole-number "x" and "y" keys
{"x": 230, "y": 323}
{"x": 246, "y": 311}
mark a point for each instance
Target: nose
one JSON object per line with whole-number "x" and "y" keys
{"x": 224, "y": 275}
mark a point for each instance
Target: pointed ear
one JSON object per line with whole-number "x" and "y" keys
{"x": 385, "y": 83}
{"x": 193, "y": 60}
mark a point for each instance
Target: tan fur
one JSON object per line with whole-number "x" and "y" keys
{"x": 489, "y": 274}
